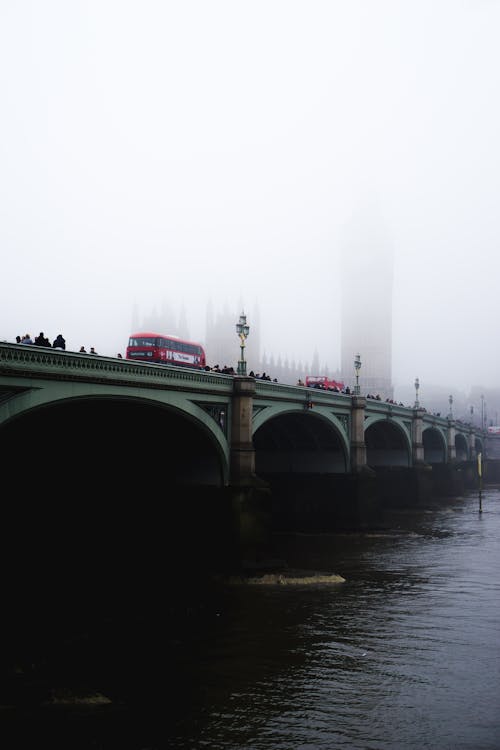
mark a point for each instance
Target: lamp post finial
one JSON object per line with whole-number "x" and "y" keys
{"x": 242, "y": 329}
{"x": 357, "y": 367}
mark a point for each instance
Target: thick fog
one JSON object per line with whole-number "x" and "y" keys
{"x": 191, "y": 152}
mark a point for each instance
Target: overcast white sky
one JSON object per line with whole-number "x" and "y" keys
{"x": 211, "y": 150}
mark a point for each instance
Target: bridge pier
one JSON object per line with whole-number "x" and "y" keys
{"x": 452, "y": 451}
{"x": 472, "y": 445}
{"x": 447, "y": 480}
{"x": 250, "y": 495}
{"x": 358, "y": 445}
{"x": 470, "y": 474}
{"x": 242, "y": 460}
{"x": 252, "y": 524}
{"x": 323, "y": 503}
{"x": 417, "y": 436}
{"x": 404, "y": 486}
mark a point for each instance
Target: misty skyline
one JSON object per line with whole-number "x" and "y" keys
{"x": 216, "y": 152}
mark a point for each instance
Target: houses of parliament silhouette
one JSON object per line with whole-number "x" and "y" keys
{"x": 366, "y": 284}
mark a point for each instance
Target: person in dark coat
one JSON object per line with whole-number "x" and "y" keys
{"x": 59, "y": 342}
{"x": 42, "y": 340}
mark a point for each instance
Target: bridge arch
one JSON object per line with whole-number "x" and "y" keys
{"x": 461, "y": 447}
{"x": 113, "y": 492}
{"x": 180, "y": 441}
{"x": 298, "y": 441}
{"x": 387, "y": 443}
{"x": 434, "y": 442}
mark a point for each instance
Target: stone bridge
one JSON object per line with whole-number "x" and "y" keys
{"x": 116, "y": 460}
{"x": 207, "y": 428}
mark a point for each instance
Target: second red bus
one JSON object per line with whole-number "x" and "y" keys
{"x": 321, "y": 381}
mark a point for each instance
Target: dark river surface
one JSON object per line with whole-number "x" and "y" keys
{"x": 405, "y": 653}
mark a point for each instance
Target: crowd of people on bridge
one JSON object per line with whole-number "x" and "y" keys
{"x": 225, "y": 370}
{"x": 42, "y": 340}
{"x": 264, "y": 376}
{"x": 58, "y": 343}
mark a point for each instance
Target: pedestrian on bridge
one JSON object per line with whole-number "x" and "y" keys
{"x": 42, "y": 340}
{"x": 59, "y": 342}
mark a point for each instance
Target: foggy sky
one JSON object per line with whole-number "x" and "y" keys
{"x": 215, "y": 151}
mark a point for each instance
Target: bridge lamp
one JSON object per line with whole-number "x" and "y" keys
{"x": 450, "y": 401}
{"x": 417, "y": 386}
{"x": 242, "y": 329}
{"x": 357, "y": 367}
{"x": 471, "y": 414}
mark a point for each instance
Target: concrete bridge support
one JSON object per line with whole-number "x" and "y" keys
{"x": 452, "y": 451}
{"x": 250, "y": 496}
{"x": 470, "y": 474}
{"x": 417, "y": 439}
{"x": 242, "y": 462}
{"x": 358, "y": 445}
{"x": 472, "y": 446}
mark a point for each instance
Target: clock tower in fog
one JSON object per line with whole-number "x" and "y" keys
{"x": 367, "y": 270}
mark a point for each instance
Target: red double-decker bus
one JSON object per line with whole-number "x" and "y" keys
{"x": 165, "y": 350}
{"x": 321, "y": 381}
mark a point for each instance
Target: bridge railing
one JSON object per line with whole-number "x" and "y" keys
{"x": 38, "y": 361}
{"x": 21, "y": 360}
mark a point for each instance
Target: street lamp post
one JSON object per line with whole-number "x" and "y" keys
{"x": 417, "y": 386}
{"x": 357, "y": 367}
{"x": 450, "y": 401}
{"x": 482, "y": 412}
{"x": 242, "y": 329}
{"x": 471, "y": 414}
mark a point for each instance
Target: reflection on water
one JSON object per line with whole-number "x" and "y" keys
{"x": 404, "y": 654}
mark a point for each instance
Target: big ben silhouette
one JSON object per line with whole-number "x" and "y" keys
{"x": 367, "y": 272}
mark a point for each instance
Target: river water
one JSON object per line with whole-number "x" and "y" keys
{"x": 405, "y": 653}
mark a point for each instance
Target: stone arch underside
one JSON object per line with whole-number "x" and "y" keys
{"x": 461, "y": 447}
{"x": 131, "y": 445}
{"x": 113, "y": 501}
{"x": 386, "y": 445}
{"x": 434, "y": 446}
{"x": 298, "y": 444}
